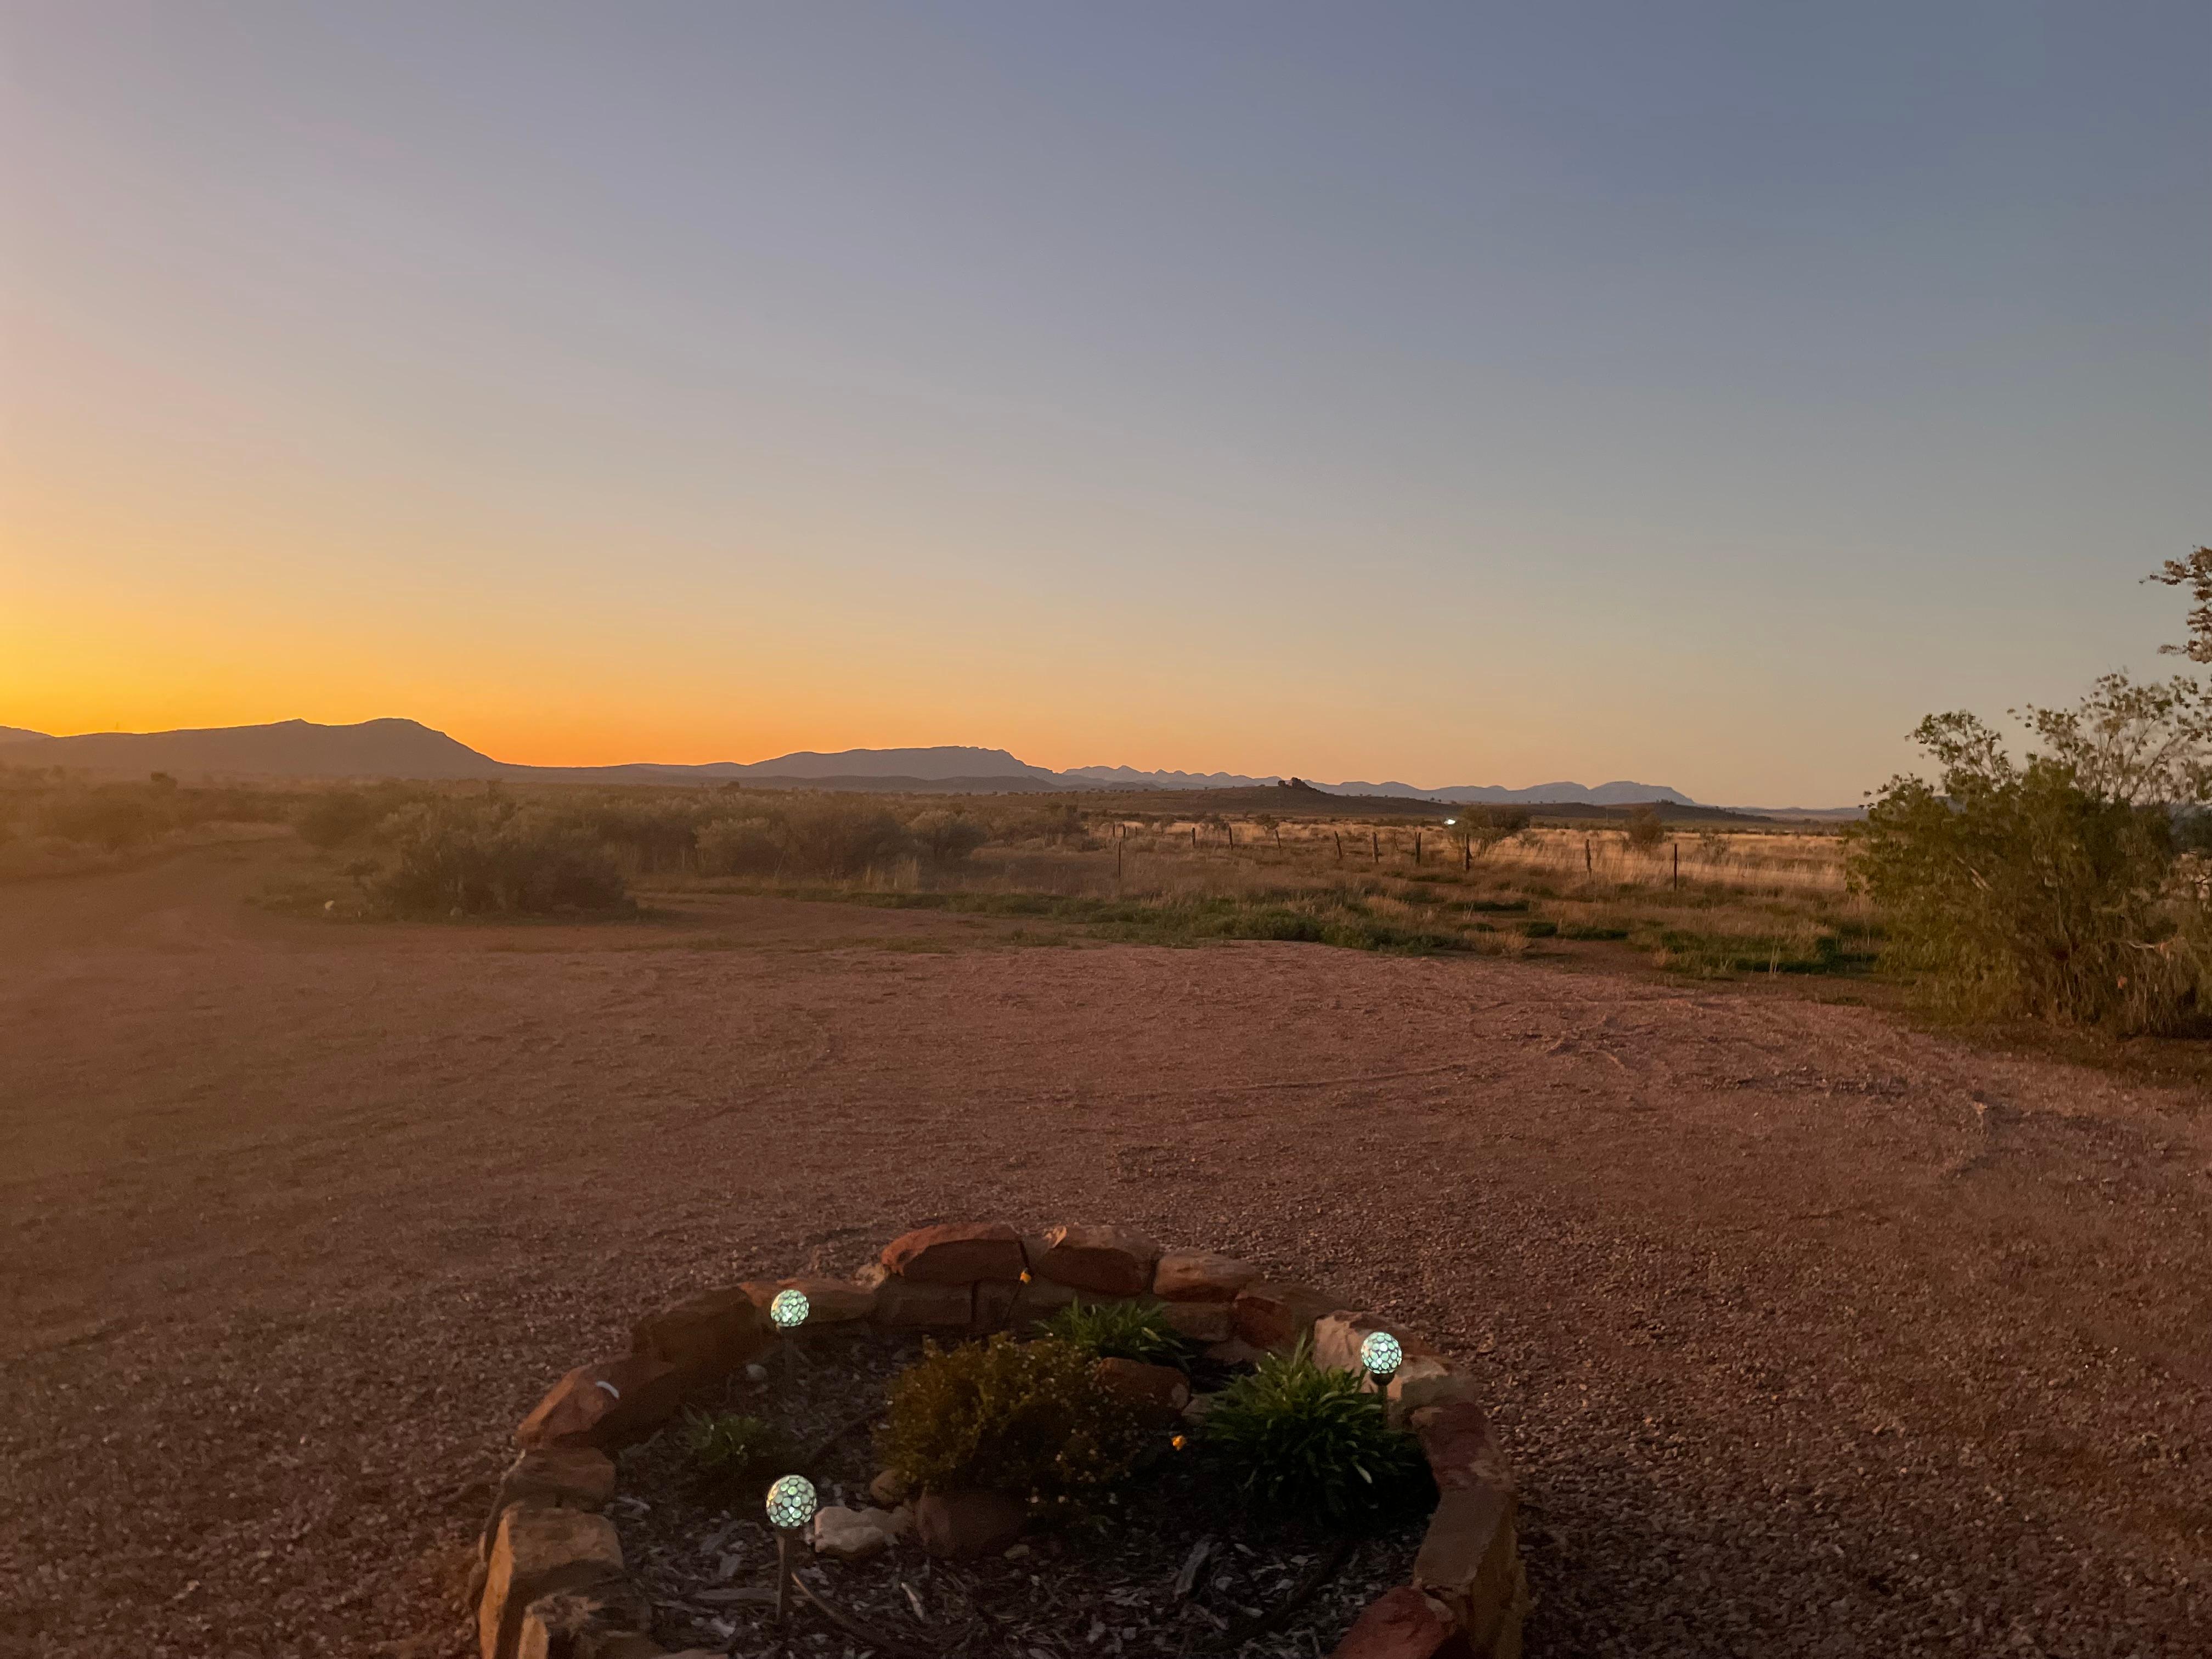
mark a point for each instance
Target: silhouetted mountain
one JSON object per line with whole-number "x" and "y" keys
{"x": 1129, "y": 777}
{"x": 287, "y": 749}
{"x": 407, "y": 749}
{"x": 1605, "y": 794}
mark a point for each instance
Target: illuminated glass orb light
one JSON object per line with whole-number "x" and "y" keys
{"x": 1380, "y": 1354}
{"x": 791, "y": 1503}
{"x": 789, "y": 1308}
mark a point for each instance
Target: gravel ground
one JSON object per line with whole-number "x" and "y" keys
{"x": 1808, "y": 1334}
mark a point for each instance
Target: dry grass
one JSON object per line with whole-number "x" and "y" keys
{"x": 1742, "y": 902}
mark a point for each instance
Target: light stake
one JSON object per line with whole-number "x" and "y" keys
{"x": 791, "y": 1505}
{"x": 787, "y": 1311}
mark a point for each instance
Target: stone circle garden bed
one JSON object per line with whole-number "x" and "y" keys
{"x": 1062, "y": 1386}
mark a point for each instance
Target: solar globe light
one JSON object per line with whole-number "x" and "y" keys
{"x": 1382, "y": 1354}
{"x": 791, "y": 1504}
{"x": 789, "y": 1308}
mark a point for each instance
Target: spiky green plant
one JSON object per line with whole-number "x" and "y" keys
{"x": 1295, "y": 1441}
{"x": 729, "y": 1445}
{"x": 1120, "y": 1330}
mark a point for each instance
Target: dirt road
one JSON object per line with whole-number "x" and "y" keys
{"x": 1808, "y": 1334}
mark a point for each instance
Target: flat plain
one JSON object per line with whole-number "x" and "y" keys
{"x": 1808, "y": 1333}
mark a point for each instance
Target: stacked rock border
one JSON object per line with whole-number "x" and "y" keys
{"x": 551, "y": 1581}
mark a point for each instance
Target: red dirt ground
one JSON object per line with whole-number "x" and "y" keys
{"x": 1809, "y": 1334}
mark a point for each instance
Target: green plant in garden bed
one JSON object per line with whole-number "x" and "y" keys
{"x": 1028, "y": 1419}
{"x": 1120, "y": 1330}
{"x": 1307, "y": 1444}
{"x": 731, "y": 1446}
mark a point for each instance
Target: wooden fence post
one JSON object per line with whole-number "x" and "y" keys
{"x": 1337, "y": 835}
{"x": 1677, "y": 846}
{"x": 1376, "y": 837}
{"x": 1417, "y": 849}
{"x": 1587, "y": 865}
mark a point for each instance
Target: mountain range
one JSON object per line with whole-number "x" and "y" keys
{"x": 408, "y": 748}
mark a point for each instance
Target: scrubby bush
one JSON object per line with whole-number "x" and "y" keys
{"x": 1480, "y": 829}
{"x": 115, "y": 817}
{"x": 1301, "y": 1443}
{"x": 333, "y": 817}
{"x": 479, "y": 857}
{"x": 1647, "y": 828}
{"x": 1120, "y": 1330}
{"x": 740, "y": 847}
{"x": 1059, "y": 822}
{"x": 648, "y": 833}
{"x": 2015, "y": 890}
{"x": 943, "y": 837}
{"x": 2069, "y": 888}
{"x": 836, "y": 837}
{"x": 1028, "y": 1419}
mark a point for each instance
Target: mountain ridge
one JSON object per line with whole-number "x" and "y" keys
{"x": 393, "y": 746}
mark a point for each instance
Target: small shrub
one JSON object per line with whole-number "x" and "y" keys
{"x": 113, "y": 818}
{"x": 731, "y": 1446}
{"x": 1646, "y": 828}
{"x": 1028, "y": 1419}
{"x": 740, "y": 847}
{"x": 831, "y": 836}
{"x": 1306, "y": 1444}
{"x": 944, "y": 837}
{"x": 1120, "y": 1330}
{"x": 335, "y": 817}
{"x": 491, "y": 857}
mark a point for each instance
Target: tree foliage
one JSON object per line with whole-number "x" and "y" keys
{"x": 2068, "y": 887}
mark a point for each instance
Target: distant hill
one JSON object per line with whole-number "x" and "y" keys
{"x": 287, "y": 749}
{"x": 1129, "y": 777}
{"x": 1605, "y": 794}
{"x": 408, "y": 748}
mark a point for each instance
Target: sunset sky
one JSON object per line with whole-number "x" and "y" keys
{"x": 1461, "y": 393}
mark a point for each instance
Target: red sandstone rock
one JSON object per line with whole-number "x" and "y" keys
{"x": 1461, "y": 1448}
{"x": 1160, "y": 1392}
{"x": 1426, "y": 1381}
{"x": 609, "y": 1622}
{"x": 708, "y": 1336}
{"x": 1469, "y": 1558}
{"x": 1201, "y": 1276}
{"x": 559, "y": 1478}
{"x": 1271, "y": 1315}
{"x": 902, "y": 1303}
{"x": 1203, "y": 1321}
{"x": 1107, "y": 1260}
{"x": 1337, "y": 1337}
{"x": 959, "y": 1254}
{"x": 539, "y": 1552}
{"x": 606, "y": 1404}
{"x": 1404, "y": 1624}
{"x": 963, "y": 1526}
{"x": 829, "y": 1301}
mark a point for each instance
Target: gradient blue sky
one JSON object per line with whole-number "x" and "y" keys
{"x": 1469, "y": 393}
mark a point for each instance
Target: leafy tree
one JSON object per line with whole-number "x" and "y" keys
{"x": 2064, "y": 887}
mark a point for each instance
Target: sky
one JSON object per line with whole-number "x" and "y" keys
{"x": 1458, "y": 393}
